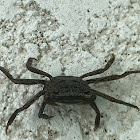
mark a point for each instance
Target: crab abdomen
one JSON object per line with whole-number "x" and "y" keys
{"x": 71, "y": 100}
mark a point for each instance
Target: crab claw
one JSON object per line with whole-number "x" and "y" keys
{"x": 95, "y": 128}
{"x": 29, "y": 61}
{"x": 137, "y": 108}
{"x": 31, "y": 58}
{"x": 6, "y": 129}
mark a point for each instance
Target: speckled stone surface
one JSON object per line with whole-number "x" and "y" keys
{"x": 70, "y": 38}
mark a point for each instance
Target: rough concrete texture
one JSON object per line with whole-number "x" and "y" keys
{"x": 70, "y": 38}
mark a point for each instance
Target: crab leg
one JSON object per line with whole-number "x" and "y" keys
{"x": 32, "y": 69}
{"x": 22, "y": 81}
{"x": 109, "y": 63}
{"x": 40, "y": 114}
{"x": 29, "y": 103}
{"x": 97, "y": 120}
{"x": 110, "y": 78}
{"x": 113, "y": 99}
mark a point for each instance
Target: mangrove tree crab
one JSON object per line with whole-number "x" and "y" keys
{"x": 67, "y": 90}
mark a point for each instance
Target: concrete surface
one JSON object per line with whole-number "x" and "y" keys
{"x": 70, "y": 38}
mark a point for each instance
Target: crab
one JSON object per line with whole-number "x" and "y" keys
{"x": 67, "y": 90}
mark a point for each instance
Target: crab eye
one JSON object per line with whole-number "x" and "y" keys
{"x": 55, "y": 92}
{"x": 87, "y": 93}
